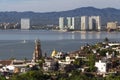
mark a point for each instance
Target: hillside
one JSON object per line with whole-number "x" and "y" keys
{"x": 107, "y": 14}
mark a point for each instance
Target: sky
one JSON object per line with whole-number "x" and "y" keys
{"x": 54, "y": 5}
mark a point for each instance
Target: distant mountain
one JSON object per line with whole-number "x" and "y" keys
{"x": 107, "y": 14}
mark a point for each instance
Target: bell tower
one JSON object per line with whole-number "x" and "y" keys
{"x": 37, "y": 54}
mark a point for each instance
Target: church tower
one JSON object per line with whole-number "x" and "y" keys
{"x": 37, "y": 52}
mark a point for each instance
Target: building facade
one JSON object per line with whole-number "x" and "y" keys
{"x": 94, "y": 23}
{"x": 101, "y": 66}
{"x": 61, "y": 23}
{"x": 84, "y": 23}
{"x": 69, "y": 23}
{"x": 76, "y": 23}
{"x": 25, "y": 23}
{"x": 111, "y": 26}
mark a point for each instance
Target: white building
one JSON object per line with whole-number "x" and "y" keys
{"x": 94, "y": 23}
{"x": 61, "y": 23}
{"x": 101, "y": 66}
{"x": 80, "y": 23}
{"x": 84, "y": 23}
{"x": 69, "y": 22}
{"x": 114, "y": 44}
{"x": 49, "y": 64}
{"x": 25, "y": 23}
{"x": 59, "y": 55}
{"x": 67, "y": 60}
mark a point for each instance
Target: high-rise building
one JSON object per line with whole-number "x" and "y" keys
{"x": 25, "y": 23}
{"x": 84, "y": 23}
{"x": 69, "y": 22}
{"x": 76, "y": 23}
{"x": 98, "y": 22}
{"x": 90, "y": 23}
{"x": 94, "y": 23}
{"x": 61, "y": 23}
{"x": 37, "y": 52}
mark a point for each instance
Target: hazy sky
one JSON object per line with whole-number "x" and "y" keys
{"x": 54, "y": 5}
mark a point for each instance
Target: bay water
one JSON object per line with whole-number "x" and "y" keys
{"x": 20, "y": 44}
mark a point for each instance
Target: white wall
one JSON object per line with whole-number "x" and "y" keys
{"x": 25, "y": 23}
{"x": 101, "y": 66}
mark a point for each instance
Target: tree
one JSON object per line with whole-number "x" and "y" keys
{"x": 78, "y": 63}
{"x": 106, "y": 40}
{"x": 91, "y": 62}
{"x": 41, "y": 61}
{"x": 31, "y": 75}
{"x": 78, "y": 76}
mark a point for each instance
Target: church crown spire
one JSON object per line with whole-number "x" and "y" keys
{"x": 37, "y": 52}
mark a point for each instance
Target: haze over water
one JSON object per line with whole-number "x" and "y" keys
{"x": 20, "y": 43}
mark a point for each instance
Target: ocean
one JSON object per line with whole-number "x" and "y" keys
{"x": 19, "y": 44}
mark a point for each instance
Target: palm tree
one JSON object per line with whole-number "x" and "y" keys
{"x": 106, "y": 40}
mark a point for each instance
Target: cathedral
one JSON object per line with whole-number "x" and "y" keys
{"x": 37, "y": 54}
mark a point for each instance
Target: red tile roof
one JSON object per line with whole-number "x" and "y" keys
{"x": 5, "y": 62}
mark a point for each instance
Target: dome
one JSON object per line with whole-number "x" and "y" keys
{"x": 54, "y": 52}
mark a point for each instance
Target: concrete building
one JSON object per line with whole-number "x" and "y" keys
{"x": 69, "y": 22}
{"x": 76, "y": 23}
{"x": 50, "y": 64}
{"x": 94, "y": 23}
{"x": 84, "y": 23}
{"x": 12, "y": 65}
{"x": 101, "y": 66}
{"x": 111, "y": 26}
{"x": 25, "y": 23}
{"x": 68, "y": 60}
{"x": 61, "y": 23}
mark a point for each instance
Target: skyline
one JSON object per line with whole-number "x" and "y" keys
{"x": 54, "y": 5}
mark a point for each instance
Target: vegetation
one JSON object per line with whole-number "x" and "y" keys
{"x": 31, "y": 75}
{"x": 106, "y": 40}
{"x": 75, "y": 75}
{"x": 78, "y": 63}
{"x": 91, "y": 63}
{"x": 2, "y": 78}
